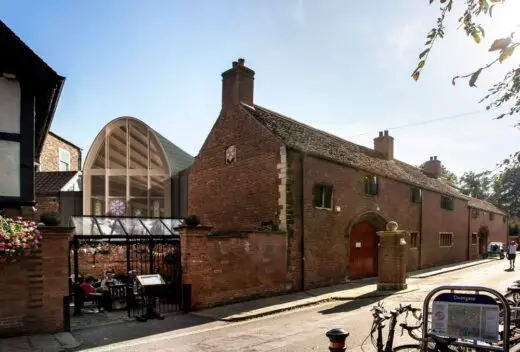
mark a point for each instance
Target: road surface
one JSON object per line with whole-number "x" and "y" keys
{"x": 298, "y": 330}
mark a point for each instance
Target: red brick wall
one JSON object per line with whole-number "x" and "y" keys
{"x": 497, "y": 230}
{"x": 32, "y": 289}
{"x": 45, "y": 204}
{"x": 49, "y": 157}
{"x": 223, "y": 269}
{"x": 115, "y": 260}
{"x": 326, "y": 232}
{"x": 437, "y": 220}
{"x": 241, "y": 194}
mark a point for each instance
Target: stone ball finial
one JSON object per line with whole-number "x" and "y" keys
{"x": 391, "y": 226}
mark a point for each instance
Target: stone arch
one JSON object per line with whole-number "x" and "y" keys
{"x": 362, "y": 244}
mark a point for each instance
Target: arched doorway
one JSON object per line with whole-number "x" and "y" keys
{"x": 483, "y": 235}
{"x": 363, "y": 245}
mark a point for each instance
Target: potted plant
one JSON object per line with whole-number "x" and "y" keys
{"x": 192, "y": 220}
{"x": 51, "y": 218}
{"x": 18, "y": 237}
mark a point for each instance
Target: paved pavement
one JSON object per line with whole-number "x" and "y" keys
{"x": 299, "y": 325}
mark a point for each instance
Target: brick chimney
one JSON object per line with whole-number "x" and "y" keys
{"x": 433, "y": 167}
{"x": 384, "y": 144}
{"x": 237, "y": 85}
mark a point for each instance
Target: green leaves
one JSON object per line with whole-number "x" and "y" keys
{"x": 506, "y": 53}
{"x": 475, "y": 34}
{"x": 500, "y": 44}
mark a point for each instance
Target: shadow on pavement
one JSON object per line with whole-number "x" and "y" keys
{"x": 109, "y": 334}
{"x": 361, "y": 301}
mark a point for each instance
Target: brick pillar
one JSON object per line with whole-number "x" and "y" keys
{"x": 55, "y": 252}
{"x": 196, "y": 265}
{"x": 392, "y": 256}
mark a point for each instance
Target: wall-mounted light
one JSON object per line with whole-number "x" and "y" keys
{"x": 338, "y": 208}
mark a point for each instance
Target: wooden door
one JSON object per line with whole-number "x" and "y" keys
{"x": 363, "y": 251}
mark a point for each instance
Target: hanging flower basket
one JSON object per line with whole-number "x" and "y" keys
{"x": 18, "y": 238}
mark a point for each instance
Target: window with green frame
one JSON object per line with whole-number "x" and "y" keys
{"x": 323, "y": 196}
{"x": 447, "y": 203}
{"x": 371, "y": 185}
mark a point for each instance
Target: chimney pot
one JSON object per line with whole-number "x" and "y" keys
{"x": 431, "y": 157}
{"x": 433, "y": 167}
{"x": 384, "y": 144}
{"x": 435, "y": 157}
{"x": 237, "y": 85}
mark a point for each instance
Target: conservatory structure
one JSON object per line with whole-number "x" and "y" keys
{"x": 131, "y": 170}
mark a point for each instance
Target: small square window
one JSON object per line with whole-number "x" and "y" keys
{"x": 474, "y": 238}
{"x": 323, "y": 196}
{"x": 371, "y": 186}
{"x": 416, "y": 195}
{"x": 445, "y": 239}
{"x": 447, "y": 203}
{"x": 491, "y": 216}
{"x": 475, "y": 213}
{"x": 504, "y": 219}
{"x": 414, "y": 240}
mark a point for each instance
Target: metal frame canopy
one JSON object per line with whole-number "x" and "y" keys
{"x": 108, "y": 227}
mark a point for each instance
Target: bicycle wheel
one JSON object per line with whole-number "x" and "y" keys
{"x": 411, "y": 348}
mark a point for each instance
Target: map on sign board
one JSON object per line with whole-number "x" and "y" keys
{"x": 465, "y": 316}
{"x": 148, "y": 280}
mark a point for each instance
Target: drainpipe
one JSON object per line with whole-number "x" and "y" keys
{"x": 421, "y": 230}
{"x": 302, "y": 222}
{"x": 469, "y": 232}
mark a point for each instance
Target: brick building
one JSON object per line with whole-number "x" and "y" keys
{"x": 58, "y": 154}
{"x": 259, "y": 169}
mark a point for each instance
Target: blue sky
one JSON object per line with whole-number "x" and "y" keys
{"x": 342, "y": 66}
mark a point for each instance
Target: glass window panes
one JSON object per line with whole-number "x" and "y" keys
{"x": 138, "y": 186}
{"x": 10, "y": 105}
{"x": 85, "y": 226}
{"x": 110, "y": 226}
{"x": 138, "y": 147}
{"x": 97, "y": 185}
{"x": 116, "y": 207}
{"x": 98, "y": 206}
{"x": 9, "y": 169}
{"x": 64, "y": 160}
{"x": 157, "y": 186}
{"x": 157, "y": 208}
{"x": 156, "y": 160}
{"x": 99, "y": 162}
{"x": 117, "y": 186}
{"x": 138, "y": 207}
{"x": 156, "y": 227}
{"x": 117, "y": 148}
{"x": 134, "y": 227}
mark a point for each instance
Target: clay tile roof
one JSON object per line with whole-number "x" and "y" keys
{"x": 484, "y": 205}
{"x": 51, "y": 182}
{"x": 315, "y": 142}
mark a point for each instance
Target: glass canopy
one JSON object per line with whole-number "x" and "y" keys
{"x": 120, "y": 226}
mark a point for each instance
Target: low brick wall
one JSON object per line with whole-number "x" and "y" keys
{"x": 227, "y": 267}
{"x": 32, "y": 289}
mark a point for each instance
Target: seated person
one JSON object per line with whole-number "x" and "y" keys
{"x": 101, "y": 298}
{"x": 110, "y": 280}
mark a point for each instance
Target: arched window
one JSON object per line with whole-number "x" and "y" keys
{"x": 127, "y": 172}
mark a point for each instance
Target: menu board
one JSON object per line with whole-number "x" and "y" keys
{"x": 149, "y": 280}
{"x": 465, "y": 316}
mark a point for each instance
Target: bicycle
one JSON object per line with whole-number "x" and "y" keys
{"x": 435, "y": 343}
{"x": 380, "y": 316}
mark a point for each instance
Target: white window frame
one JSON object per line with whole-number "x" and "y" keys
{"x": 447, "y": 233}
{"x": 60, "y": 151}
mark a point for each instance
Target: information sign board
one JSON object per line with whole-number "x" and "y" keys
{"x": 465, "y": 316}
{"x": 150, "y": 280}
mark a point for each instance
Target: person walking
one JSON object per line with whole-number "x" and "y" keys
{"x": 511, "y": 254}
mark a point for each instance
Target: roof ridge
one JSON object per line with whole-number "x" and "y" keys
{"x": 314, "y": 128}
